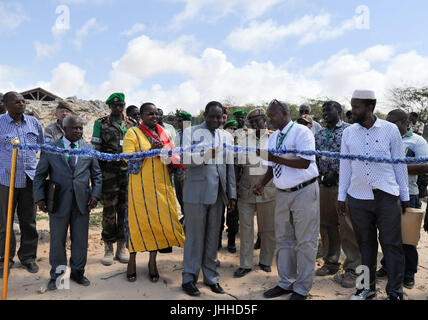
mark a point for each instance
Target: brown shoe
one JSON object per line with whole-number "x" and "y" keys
{"x": 348, "y": 280}
{"x": 326, "y": 270}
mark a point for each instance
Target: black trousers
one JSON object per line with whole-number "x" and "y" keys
{"x": 23, "y": 202}
{"x": 79, "y": 229}
{"x": 383, "y": 214}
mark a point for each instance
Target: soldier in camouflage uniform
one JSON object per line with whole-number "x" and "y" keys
{"x": 107, "y": 137}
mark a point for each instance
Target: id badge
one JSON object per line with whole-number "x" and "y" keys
{"x": 121, "y": 143}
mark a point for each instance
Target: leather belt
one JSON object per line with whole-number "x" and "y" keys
{"x": 300, "y": 186}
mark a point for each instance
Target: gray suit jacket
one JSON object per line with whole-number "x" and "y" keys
{"x": 204, "y": 177}
{"x": 70, "y": 184}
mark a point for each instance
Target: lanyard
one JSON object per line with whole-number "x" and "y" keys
{"x": 67, "y": 156}
{"x": 121, "y": 129}
{"x": 329, "y": 134}
{"x": 278, "y": 141}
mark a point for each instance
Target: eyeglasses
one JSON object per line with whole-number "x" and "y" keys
{"x": 150, "y": 113}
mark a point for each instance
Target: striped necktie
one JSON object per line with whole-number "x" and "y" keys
{"x": 277, "y": 169}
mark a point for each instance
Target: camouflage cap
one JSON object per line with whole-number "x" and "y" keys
{"x": 62, "y": 104}
{"x": 307, "y": 118}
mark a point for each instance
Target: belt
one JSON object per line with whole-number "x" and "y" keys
{"x": 300, "y": 186}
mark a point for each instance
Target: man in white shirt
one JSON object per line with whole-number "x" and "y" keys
{"x": 373, "y": 191}
{"x": 297, "y": 211}
{"x": 415, "y": 147}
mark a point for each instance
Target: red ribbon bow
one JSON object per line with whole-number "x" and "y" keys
{"x": 164, "y": 139}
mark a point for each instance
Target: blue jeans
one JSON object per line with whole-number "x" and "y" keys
{"x": 410, "y": 251}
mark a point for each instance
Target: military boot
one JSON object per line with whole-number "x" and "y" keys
{"x": 121, "y": 253}
{"x": 108, "y": 256}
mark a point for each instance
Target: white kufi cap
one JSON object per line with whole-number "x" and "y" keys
{"x": 364, "y": 95}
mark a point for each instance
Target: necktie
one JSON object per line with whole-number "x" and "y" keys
{"x": 277, "y": 167}
{"x": 72, "y": 159}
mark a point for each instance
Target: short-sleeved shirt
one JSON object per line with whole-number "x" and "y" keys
{"x": 253, "y": 168}
{"x": 298, "y": 138}
{"x": 29, "y": 131}
{"x": 329, "y": 140}
{"x": 414, "y": 146}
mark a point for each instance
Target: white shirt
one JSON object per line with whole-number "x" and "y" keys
{"x": 67, "y": 144}
{"x": 300, "y": 138}
{"x": 316, "y": 127}
{"x": 415, "y": 146}
{"x": 359, "y": 178}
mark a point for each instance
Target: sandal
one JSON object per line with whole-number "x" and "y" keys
{"x": 131, "y": 277}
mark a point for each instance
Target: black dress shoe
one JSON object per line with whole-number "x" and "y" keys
{"x": 31, "y": 267}
{"x": 216, "y": 288}
{"x": 265, "y": 268}
{"x": 241, "y": 272}
{"x": 276, "y": 292}
{"x": 52, "y": 284}
{"x": 296, "y": 296}
{"x": 231, "y": 248}
{"x": 395, "y": 296}
{"x": 191, "y": 289}
{"x": 80, "y": 279}
{"x": 409, "y": 283}
{"x": 381, "y": 273}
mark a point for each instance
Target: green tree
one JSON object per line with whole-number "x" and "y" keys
{"x": 410, "y": 99}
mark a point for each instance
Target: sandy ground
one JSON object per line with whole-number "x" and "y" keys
{"x": 110, "y": 282}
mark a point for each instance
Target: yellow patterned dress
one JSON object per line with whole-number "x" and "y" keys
{"x": 151, "y": 220}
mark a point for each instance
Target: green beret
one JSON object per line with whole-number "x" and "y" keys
{"x": 115, "y": 97}
{"x": 184, "y": 115}
{"x": 240, "y": 113}
{"x": 230, "y": 123}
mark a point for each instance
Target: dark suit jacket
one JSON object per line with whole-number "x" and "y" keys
{"x": 70, "y": 184}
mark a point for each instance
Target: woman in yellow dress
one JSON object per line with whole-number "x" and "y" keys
{"x": 151, "y": 221}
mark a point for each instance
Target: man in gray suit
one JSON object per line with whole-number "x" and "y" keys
{"x": 71, "y": 174}
{"x": 210, "y": 183}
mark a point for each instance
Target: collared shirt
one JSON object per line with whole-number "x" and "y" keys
{"x": 414, "y": 146}
{"x": 418, "y": 127}
{"x": 327, "y": 140}
{"x": 316, "y": 127}
{"x": 300, "y": 138}
{"x": 67, "y": 146}
{"x": 253, "y": 168}
{"x": 28, "y": 131}
{"x": 53, "y": 132}
{"x": 359, "y": 178}
{"x": 170, "y": 130}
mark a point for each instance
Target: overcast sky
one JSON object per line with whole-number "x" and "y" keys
{"x": 184, "y": 53}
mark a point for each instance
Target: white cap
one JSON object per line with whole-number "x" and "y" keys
{"x": 364, "y": 95}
